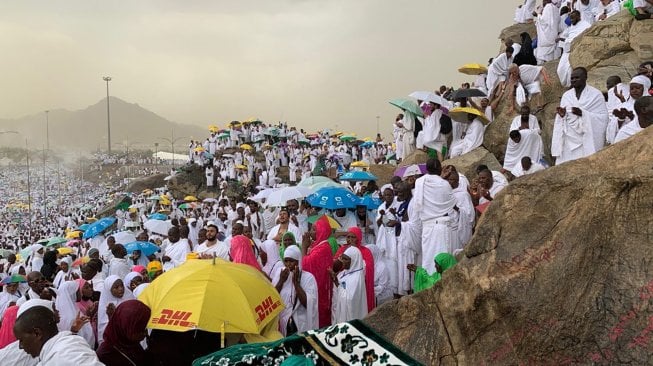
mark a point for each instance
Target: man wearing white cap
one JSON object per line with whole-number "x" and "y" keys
{"x": 624, "y": 114}
{"x": 36, "y": 330}
{"x": 644, "y": 110}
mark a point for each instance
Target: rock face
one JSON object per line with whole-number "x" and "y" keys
{"x": 466, "y": 164}
{"x": 559, "y": 271}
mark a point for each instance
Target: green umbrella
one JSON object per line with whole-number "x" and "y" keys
{"x": 55, "y": 241}
{"x": 224, "y": 135}
{"x": 124, "y": 206}
{"x": 347, "y": 138}
{"x": 407, "y": 105}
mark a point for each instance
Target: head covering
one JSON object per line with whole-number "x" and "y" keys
{"x": 282, "y": 246}
{"x": 7, "y": 326}
{"x": 106, "y": 298}
{"x": 322, "y": 230}
{"x": 130, "y": 277}
{"x": 293, "y": 252}
{"x": 350, "y": 297}
{"x": 130, "y": 318}
{"x": 445, "y": 261}
{"x": 386, "y": 186}
{"x": 411, "y": 170}
{"x": 65, "y": 302}
{"x": 154, "y": 266}
{"x": 359, "y": 234}
{"x": 139, "y": 268}
{"x": 242, "y": 252}
{"x": 33, "y": 303}
{"x": 642, "y": 80}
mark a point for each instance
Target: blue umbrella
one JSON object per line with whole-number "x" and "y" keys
{"x": 83, "y": 227}
{"x": 333, "y": 198}
{"x": 157, "y": 216}
{"x": 145, "y": 247}
{"x": 98, "y": 227}
{"x": 356, "y": 175}
{"x": 372, "y": 203}
{"x": 367, "y": 144}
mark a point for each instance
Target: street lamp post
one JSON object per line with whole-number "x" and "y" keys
{"x": 107, "y": 79}
{"x": 47, "y": 129}
{"x": 156, "y": 159}
{"x": 172, "y": 142}
{"x": 29, "y": 192}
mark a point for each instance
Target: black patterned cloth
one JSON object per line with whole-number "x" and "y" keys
{"x": 351, "y": 343}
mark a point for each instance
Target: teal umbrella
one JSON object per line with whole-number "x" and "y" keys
{"x": 407, "y": 105}
{"x": 55, "y": 241}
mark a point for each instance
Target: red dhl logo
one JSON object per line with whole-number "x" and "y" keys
{"x": 172, "y": 317}
{"x": 265, "y": 308}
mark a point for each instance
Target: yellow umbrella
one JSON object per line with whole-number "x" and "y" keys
{"x": 164, "y": 201}
{"x": 65, "y": 250}
{"x": 240, "y": 166}
{"x": 73, "y": 235}
{"x": 460, "y": 114}
{"x": 246, "y": 147}
{"x": 190, "y": 198}
{"x": 473, "y": 69}
{"x": 199, "y": 149}
{"x": 91, "y": 220}
{"x": 360, "y": 164}
{"x": 212, "y": 295}
{"x": 213, "y": 128}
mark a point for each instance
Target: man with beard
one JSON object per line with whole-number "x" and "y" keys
{"x": 212, "y": 246}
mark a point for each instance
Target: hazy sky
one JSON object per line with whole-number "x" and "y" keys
{"x": 313, "y": 63}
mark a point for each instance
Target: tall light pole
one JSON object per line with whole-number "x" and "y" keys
{"x": 29, "y": 192}
{"x": 172, "y": 142}
{"x": 156, "y": 159}
{"x": 47, "y": 129}
{"x": 377, "y": 125}
{"x": 107, "y": 79}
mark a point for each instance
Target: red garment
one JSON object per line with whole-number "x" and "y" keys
{"x": 368, "y": 258}
{"x": 7, "y": 328}
{"x": 120, "y": 344}
{"x": 241, "y": 251}
{"x": 317, "y": 262}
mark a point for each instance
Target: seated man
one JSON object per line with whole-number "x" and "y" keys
{"x": 487, "y": 188}
{"x": 644, "y": 110}
{"x": 522, "y": 143}
{"x": 644, "y": 9}
{"x": 527, "y": 167}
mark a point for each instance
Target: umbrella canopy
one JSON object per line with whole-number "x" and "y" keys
{"x": 472, "y": 69}
{"x": 13, "y": 279}
{"x": 263, "y": 194}
{"x": 399, "y": 172}
{"x": 246, "y": 147}
{"x": 122, "y": 206}
{"x": 372, "y": 203}
{"x": 198, "y": 149}
{"x": 190, "y": 198}
{"x": 279, "y": 197}
{"x": 460, "y": 114}
{"x": 145, "y": 247}
{"x": 407, "y": 105}
{"x": 186, "y": 206}
{"x": 312, "y": 180}
{"x": 332, "y": 222}
{"x": 434, "y": 98}
{"x": 73, "y": 243}
{"x": 467, "y": 93}
{"x": 124, "y": 237}
{"x": 56, "y": 241}
{"x": 357, "y": 175}
{"x": 83, "y": 227}
{"x": 214, "y": 296}
{"x": 360, "y": 164}
{"x": 5, "y": 253}
{"x": 367, "y": 144}
{"x": 158, "y": 226}
{"x": 64, "y": 251}
{"x": 155, "y": 197}
{"x": 157, "y": 216}
{"x": 210, "y": 200}
{"x": 74, "y": 234}
{"x": 419, "y": 95}
{"x": 347, "y": 138}
{"x": 98, "y": 227}
{"x": 333, "y": 198}
{"x": 224, "y": 135}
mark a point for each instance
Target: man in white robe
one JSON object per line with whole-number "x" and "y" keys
{"x": 589, "y": 9}
{"x": 212, "y": 246}
{"x": 435, "y": 203}
{"x": 36, "y": 330}
{"x": 618, "y": 93}
{"x": 644, "y": 110}
{"x": 547, "y": 27}
{"x": 408, "y": 248}
{"x": 498, "y": 70}
{"x": 524, "y": 13}
{"x": 176, "y": 250}
{"x": 624, "y": 114}
{"x": 577, "y": 27}
{"x": 407, "y": 126}
{"x": 466, "y": 214}
{"x": 525, "y": 120}
{"x": 525, "y": 142}
{"x": 581, "y": 121}
{"x": 471, "y": 137}
{"x": 386, "y": 239}
{"x": 606, "y": 9}
{"x": 527, "y": 167}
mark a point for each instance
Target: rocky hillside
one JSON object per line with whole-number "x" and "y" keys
{"x": 560, "y": 269}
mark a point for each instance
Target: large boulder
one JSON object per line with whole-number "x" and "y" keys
{"x": 467, "y": 163}
{"x": 514, "y": 31}
{"x": 559, "y": 272}
{"x": 641, "y": 39}
{"x": 603, "y": 40}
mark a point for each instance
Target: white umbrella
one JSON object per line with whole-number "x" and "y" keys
{"x": 158, "y": 226}
{"x": 281, "y": 196}
{"x": 125, "y": 237}
{"x": 434, "y": 98}
{"x": 227, "y": 155}
{"x": 419, "y": 95}
{"x": 210, "y": 200}
{"x": 263, "y": 194}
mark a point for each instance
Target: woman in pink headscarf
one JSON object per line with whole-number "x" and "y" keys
{"x": 355, "y": 238}
{"x": 7, "y": 328}
{"x": 317, "y": 259}
{"x": 242, "y": 251}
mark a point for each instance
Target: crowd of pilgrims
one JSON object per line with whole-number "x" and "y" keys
{"x": 82, "y": 306}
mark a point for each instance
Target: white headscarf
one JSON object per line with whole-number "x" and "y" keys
{"x": 106, "y": 298}
{"x": 350, "y": 296}
{"x": 139, "y": 289}
{"x": 33, "y": 303}
{"x": 271, "y": 248}
{"x": 642, "y": 80}
{"x": 130, "y": 277}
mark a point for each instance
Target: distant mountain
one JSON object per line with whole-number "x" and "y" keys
{"x": 86, "y": 129}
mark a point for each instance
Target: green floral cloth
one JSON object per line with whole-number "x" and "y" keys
{"x": 351, "y": 343}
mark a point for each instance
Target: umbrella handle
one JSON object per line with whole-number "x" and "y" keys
{"x": 222, "y": 327}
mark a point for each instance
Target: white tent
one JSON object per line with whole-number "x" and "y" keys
{"x": 169, "y": 156}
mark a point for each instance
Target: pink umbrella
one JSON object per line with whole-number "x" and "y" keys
{"x": 401, "y": 170}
